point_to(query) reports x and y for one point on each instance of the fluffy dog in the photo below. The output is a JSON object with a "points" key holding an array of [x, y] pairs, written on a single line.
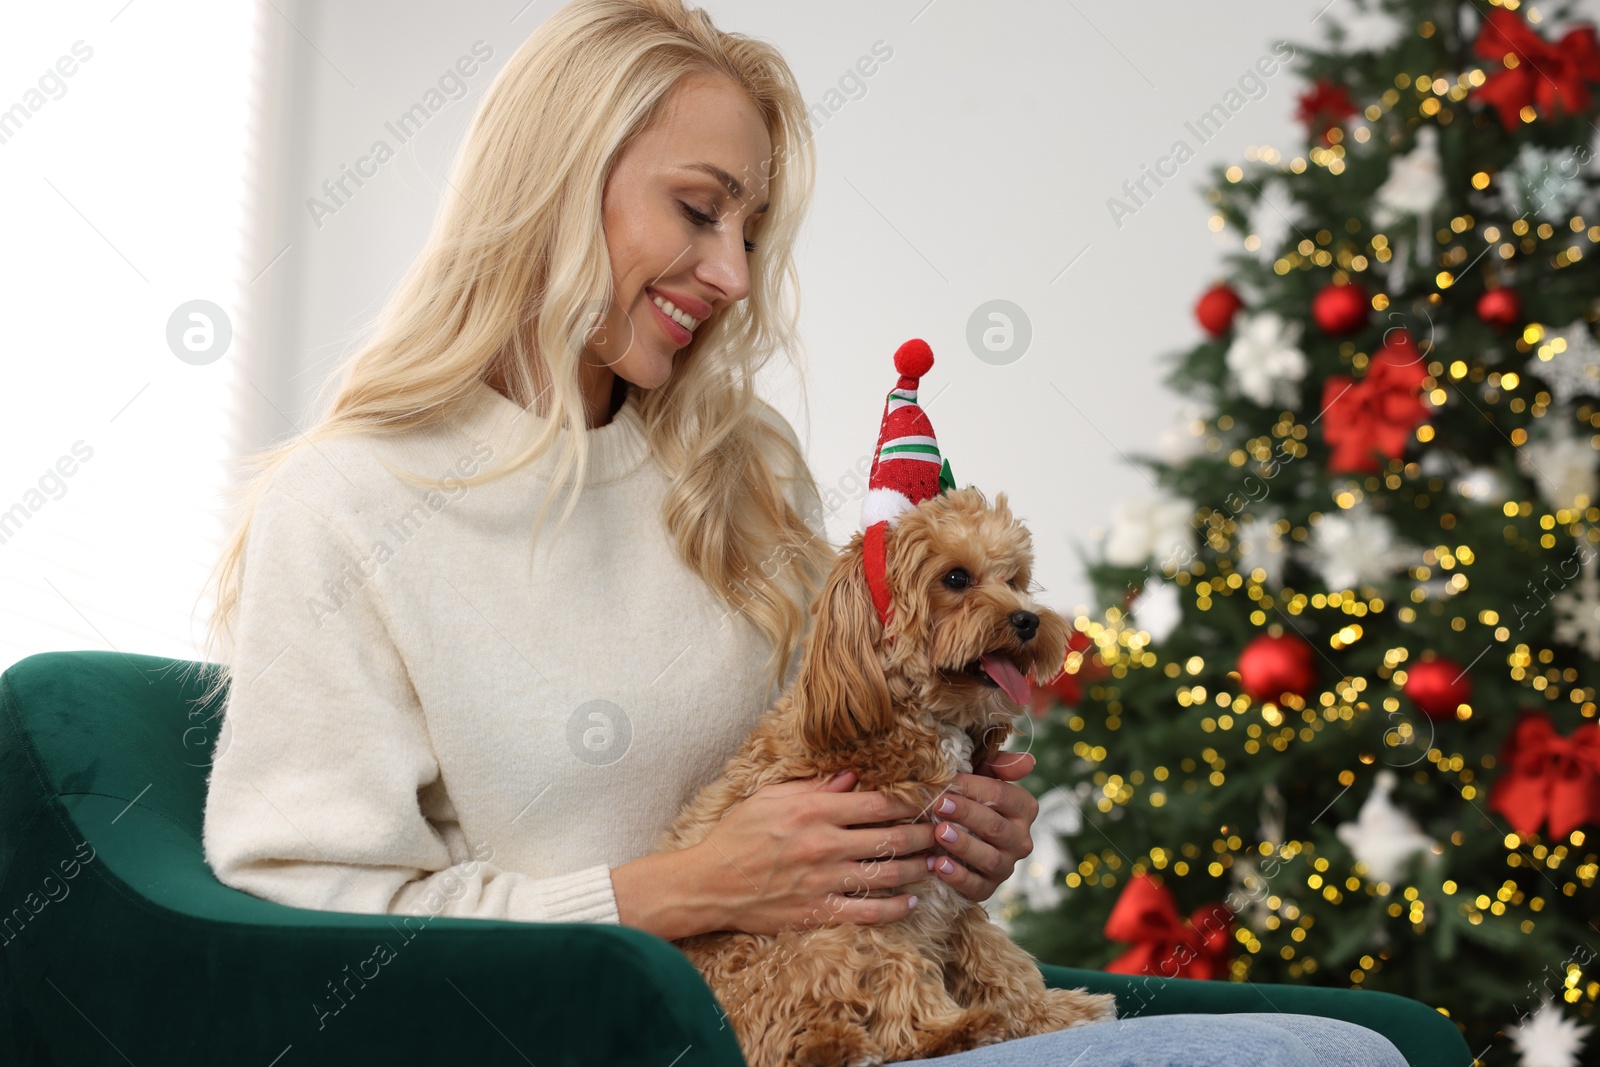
{"points": [[907, 709]]}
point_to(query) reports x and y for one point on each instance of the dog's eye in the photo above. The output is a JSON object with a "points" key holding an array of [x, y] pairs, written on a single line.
{"points": [[957, 579], [1012, 582]]}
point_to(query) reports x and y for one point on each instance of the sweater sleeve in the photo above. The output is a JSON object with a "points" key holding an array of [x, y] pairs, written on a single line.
{"points": [[316, 791]]}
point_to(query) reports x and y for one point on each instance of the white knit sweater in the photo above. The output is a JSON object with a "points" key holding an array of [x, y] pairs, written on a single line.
{"points": [[426, 718]]}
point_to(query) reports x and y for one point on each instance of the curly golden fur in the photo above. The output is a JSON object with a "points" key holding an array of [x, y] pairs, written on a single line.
{"points": [[903, 713]]}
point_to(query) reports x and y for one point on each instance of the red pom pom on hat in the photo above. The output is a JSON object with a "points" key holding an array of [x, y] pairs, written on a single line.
{"points": [[906, 464], [914, 358]]}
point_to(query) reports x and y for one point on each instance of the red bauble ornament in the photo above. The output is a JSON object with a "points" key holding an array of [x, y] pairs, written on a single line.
{"points": [[1216, 308], [1340, 309], [1272, 666], [1500, 308], [1437, 685]]}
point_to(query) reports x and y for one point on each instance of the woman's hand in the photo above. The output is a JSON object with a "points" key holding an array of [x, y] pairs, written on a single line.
{"points": [[787, 855], [999, 816]]}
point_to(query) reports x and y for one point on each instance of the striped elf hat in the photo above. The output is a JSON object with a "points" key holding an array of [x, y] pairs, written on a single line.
{"points": [[906, 470]]}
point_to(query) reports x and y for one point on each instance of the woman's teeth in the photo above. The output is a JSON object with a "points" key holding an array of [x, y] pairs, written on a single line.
{"points": [[682, 318]]}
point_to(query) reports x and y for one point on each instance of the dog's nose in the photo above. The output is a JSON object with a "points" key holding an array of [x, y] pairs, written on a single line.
{"points": [[1026, 624]]}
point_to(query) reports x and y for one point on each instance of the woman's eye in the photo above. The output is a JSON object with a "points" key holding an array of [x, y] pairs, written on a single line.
{"points": [[700, 218], [957, 579]]}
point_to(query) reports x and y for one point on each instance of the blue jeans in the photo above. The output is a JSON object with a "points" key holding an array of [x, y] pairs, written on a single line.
{"points": [[1274, 1039]]}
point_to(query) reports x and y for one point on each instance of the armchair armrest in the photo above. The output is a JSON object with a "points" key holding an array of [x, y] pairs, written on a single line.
{"points": [[145, 955]]}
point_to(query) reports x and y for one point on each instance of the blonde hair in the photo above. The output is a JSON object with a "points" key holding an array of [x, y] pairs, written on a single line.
{"points": [[516, 266]]}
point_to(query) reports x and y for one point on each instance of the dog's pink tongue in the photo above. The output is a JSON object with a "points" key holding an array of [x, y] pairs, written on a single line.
{"points": [[1006, 675]]}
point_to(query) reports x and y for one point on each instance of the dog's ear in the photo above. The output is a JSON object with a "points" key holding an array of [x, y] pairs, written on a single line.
{"points": [[842, 693]]}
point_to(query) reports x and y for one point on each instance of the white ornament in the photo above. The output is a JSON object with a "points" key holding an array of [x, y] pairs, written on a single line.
{"points": [[1259, 546], [1437, 463], [1037, 882], [1414, 188], [1546, 1038], [1272, 812], [1383, 837], [1353, 548], [1249, 891], [1253, 889], [1369, 30], [1484, 485], [1398, 263], [1415, 183], [1264, 360], [1150, 527], [1185, 438], [1269, 218], [1562, 465], [1156, 610], [1578, 612], [1569, 362], [1543, 182]]}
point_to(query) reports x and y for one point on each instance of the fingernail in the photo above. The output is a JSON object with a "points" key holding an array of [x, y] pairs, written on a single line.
{"points": [[911, 902], [947, 832], [947, 806], [946, 865], [930, 862]]}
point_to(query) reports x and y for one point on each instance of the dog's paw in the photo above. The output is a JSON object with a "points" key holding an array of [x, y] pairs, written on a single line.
{"points": [[1096, 1008], [1062, 1009], [832, 1043]]}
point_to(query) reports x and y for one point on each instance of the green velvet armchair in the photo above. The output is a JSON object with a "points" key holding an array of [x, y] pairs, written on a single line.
{"points": [[118, 945]]}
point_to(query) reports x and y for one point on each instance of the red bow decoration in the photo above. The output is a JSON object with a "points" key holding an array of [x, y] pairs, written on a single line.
{"points": [[1324, 106], [1164, 944], [1548, 776], [1378, 412], [1554, 77]]}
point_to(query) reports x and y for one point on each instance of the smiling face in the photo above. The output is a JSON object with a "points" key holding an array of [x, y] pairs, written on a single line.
{"points": [[677, 229]]}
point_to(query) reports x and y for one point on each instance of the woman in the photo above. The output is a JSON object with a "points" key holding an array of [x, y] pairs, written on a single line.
{"points": [[437, 709]]}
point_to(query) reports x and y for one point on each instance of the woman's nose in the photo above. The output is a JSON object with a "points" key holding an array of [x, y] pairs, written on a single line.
{"points": [[727, 268]]}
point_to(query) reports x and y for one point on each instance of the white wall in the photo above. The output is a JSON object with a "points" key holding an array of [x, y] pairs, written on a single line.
{"points": [[126, 152], [976, 165]]}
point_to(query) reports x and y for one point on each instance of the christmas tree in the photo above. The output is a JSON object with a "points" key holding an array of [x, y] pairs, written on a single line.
{"points": [[1336, 720]]}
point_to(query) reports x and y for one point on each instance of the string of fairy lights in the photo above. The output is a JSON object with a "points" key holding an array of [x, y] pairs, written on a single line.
{"points": [[1120, 647]]}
